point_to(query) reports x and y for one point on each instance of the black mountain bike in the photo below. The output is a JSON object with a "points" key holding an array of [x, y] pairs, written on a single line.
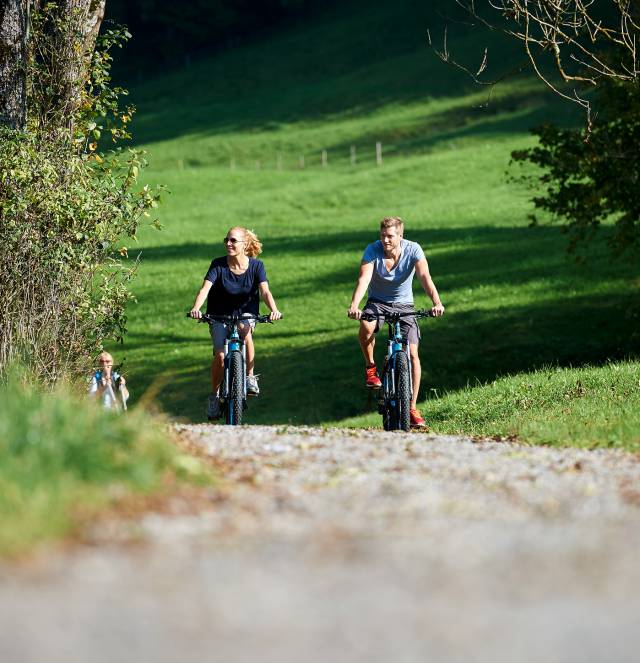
{"points": [[233, 390], [394, 399]]}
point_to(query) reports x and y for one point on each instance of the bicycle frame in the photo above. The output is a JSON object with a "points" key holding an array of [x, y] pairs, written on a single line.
{"points": [[397, 382], [395, 344], [233, 345]]}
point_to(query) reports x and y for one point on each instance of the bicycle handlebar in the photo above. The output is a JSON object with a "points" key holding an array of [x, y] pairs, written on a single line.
{"points": [[232, 318], [392, 317]]}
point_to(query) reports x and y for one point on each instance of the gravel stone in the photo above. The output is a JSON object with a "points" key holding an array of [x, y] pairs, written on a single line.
{"points": [[348, 545]]}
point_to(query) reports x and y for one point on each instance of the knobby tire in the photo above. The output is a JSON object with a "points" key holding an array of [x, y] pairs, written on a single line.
{"points": [[236, 383], [403, 392], [386, 410]]}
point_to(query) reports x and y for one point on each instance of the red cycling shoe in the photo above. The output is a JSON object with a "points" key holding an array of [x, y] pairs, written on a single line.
{"points": [[372, 379], [416, 419]]}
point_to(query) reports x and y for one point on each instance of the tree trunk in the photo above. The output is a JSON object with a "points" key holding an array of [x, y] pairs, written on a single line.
{"points": [[13, 56], [69, 42], [85, 20]]}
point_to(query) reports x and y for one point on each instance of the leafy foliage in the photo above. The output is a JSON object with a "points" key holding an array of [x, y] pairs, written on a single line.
{"points": [[65, 204], [590, 179], [586, 53]]}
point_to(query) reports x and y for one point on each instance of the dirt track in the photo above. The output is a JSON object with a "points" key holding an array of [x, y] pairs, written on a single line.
{"points": [[353, 546]]}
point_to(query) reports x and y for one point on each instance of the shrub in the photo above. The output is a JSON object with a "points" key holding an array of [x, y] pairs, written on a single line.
{"points": [[65, 204], [63, 459]]}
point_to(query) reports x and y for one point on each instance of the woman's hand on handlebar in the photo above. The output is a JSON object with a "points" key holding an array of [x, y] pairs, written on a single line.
{"points": [[195, 313]]}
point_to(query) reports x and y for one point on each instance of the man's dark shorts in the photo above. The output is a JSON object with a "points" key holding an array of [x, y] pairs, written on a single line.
{"points": [[408, 326]]}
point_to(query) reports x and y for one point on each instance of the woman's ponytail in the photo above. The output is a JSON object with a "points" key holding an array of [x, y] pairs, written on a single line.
{"points": [[252, 245]]}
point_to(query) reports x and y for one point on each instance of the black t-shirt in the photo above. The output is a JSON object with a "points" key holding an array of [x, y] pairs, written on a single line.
{"points": [[232, 294]]}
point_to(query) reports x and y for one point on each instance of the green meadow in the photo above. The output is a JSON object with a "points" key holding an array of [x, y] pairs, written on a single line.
{"points": [[227, 135]]}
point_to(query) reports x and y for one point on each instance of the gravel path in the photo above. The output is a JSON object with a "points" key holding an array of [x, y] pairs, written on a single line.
{"points": [[353, 546]]}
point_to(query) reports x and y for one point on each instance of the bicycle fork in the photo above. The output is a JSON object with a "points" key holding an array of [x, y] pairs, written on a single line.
{"points": [[388, 393]]}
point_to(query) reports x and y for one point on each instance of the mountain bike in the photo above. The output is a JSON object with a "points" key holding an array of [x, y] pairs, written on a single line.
{"points": [[233, 389], [394, 400]]}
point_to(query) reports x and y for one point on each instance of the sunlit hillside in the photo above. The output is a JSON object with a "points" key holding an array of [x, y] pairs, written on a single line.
{"points": [[280, 136]]}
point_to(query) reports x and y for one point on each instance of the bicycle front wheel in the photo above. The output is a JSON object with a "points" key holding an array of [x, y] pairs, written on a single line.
{"points": [[403, 391], [235, 397]]}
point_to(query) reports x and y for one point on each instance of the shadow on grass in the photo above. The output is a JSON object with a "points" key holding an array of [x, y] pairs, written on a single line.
{"points": [[323, 382], [339, 67], [513, 114], [573, 316], [459, 258]]}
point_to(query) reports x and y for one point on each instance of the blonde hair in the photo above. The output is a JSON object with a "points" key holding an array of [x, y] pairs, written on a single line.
{"points": [[252, 245], [392, 222], [105, 356]]}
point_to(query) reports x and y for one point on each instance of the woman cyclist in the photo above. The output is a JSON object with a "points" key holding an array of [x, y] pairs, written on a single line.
{"points": [[232, 286]]}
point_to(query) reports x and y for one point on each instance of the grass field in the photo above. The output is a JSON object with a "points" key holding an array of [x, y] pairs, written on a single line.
{"points": [[515, 302]]}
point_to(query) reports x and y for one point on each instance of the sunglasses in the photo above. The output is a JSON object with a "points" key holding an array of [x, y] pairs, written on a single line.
{"points": [[233, 240]]}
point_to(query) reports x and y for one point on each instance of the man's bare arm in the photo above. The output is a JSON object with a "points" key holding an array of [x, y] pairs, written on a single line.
{"points": [[422, 270], [364, 278]]}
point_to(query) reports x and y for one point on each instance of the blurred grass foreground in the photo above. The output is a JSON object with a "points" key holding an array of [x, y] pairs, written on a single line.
{"points": [[63, 459]]}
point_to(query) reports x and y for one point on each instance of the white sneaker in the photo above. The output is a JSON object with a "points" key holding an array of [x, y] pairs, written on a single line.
{"points": [[213, 407], [252, 385]]}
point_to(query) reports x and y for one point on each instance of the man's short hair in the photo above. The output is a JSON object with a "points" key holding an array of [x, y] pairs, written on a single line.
{"points": [[392, 222]]}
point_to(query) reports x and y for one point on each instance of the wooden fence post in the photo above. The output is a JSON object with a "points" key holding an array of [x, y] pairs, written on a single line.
{"points": [[353, 155], [379, 153]]}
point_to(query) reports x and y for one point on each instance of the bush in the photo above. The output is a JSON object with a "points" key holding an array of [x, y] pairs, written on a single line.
{"points": [[63, 290], [64, 206], [592, 177]]}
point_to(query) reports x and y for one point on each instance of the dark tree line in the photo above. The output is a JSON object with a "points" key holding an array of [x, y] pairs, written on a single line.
{"points": [[167, 31]]}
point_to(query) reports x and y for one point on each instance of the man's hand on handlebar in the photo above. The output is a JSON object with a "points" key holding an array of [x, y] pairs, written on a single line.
{"points": [[275, 315], [354, 312], [195, 313], [437, 310]]}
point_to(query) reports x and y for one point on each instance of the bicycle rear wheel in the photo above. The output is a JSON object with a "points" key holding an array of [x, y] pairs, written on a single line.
{"points": [[234, 404], [403, 392]]}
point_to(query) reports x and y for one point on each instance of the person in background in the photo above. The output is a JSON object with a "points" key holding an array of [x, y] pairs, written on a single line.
{"points": [[108, 385]]}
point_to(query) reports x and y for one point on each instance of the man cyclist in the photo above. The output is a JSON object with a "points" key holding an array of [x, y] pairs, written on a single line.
{"points": [[387, 271]]}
